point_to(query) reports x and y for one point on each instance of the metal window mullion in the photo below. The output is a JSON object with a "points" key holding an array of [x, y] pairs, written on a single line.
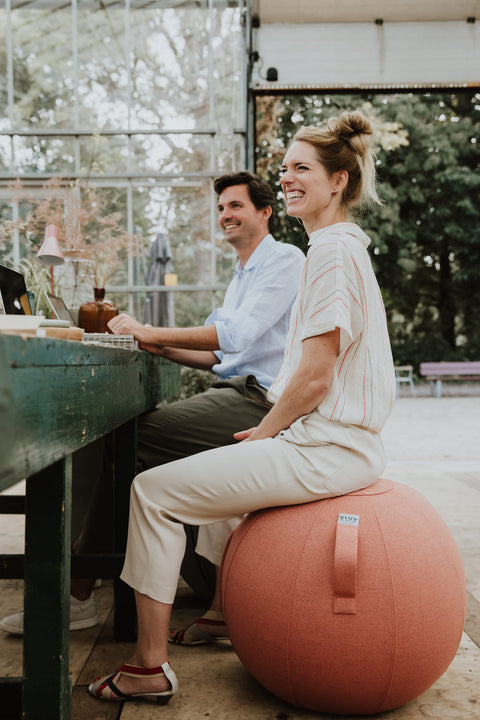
{"points": [[9, 31], [58, 132], [10, 88], [76, 106], [244, 64], [16, 234], [130, 260], [11, 118], [249, 100], [212, 122], [129, 72]]}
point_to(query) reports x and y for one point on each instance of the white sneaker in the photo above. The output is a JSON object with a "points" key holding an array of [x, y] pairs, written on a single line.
{"points": [[83, 614]]}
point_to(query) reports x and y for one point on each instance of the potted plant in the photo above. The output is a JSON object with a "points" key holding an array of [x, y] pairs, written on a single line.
{"points": [[90, 232]]}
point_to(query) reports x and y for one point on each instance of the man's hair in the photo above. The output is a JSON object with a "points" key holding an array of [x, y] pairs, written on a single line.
{"points": [[259, 191]]}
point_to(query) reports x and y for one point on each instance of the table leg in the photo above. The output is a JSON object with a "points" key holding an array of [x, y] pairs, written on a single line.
{"points": [[47, 685], [125, 449]]}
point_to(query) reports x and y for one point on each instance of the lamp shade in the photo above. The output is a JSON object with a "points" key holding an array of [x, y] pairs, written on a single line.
{"points": [[50, 252]]}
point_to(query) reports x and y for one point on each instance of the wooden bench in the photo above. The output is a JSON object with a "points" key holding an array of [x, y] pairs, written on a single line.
{"points": [[55, 397], [438, 371]]}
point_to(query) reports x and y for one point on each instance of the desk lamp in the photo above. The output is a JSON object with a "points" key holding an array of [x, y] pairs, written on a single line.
{"points": [[50, 252]]}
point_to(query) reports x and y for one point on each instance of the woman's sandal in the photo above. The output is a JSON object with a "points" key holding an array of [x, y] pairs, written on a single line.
{"points": [[197, 633], [106, 689]]}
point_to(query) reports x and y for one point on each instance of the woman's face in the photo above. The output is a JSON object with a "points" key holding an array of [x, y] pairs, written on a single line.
{"points": [[310, 192]]}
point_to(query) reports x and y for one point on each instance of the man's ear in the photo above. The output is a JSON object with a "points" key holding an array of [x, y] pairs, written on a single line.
{"points": [[267, 212]]}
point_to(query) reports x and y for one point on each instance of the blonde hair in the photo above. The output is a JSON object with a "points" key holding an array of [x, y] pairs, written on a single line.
{"points": [[344, 144]]}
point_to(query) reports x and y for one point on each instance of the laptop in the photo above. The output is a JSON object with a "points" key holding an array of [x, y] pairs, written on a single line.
{"points": [[59, 308], [16, 302], [13, 292]]}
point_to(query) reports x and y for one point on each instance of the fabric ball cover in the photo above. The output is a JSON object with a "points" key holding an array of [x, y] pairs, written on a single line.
{"points": [[350, 605]]}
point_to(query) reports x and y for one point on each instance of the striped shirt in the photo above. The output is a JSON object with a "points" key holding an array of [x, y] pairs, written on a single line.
{"points": [[339, 289]]}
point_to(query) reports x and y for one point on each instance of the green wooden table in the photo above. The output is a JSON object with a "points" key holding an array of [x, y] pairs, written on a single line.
{"points": [[55, 397]]}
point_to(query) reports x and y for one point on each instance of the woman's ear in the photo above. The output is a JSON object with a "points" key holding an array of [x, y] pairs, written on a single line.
{"points": [[341, 179]]}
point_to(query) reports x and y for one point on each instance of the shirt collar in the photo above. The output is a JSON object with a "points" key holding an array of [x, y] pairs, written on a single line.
{"points": [[343, 227], [261, 251]]}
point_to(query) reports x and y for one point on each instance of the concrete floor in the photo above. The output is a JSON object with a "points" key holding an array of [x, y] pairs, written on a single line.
{"points": [[431, 444]]}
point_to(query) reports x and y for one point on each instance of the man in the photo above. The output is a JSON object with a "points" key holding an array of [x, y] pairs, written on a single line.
{"points": [[242, 343]]}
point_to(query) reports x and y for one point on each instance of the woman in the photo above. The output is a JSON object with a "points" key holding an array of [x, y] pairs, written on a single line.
{"points": [[331, 399]]}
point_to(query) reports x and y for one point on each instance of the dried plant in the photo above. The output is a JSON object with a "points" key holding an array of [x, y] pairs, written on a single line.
{"points": [[85, 221]]}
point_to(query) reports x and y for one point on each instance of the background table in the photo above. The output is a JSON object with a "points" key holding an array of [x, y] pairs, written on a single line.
{"points": [[55, 397]]}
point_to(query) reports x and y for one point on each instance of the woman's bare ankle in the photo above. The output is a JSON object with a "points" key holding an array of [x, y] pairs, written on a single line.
{"points": [[147, 660]]}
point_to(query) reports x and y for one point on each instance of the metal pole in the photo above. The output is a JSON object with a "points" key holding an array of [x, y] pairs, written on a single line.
{"points": [[11, 119], [249, 124], [212, 123], [130, 260], [76, 109]]}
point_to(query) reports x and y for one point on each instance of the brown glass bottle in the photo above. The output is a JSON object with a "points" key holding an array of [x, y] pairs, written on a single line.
{"points": [[94, 315]]}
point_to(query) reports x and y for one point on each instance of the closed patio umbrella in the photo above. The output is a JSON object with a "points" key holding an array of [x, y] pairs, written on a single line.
{"points": [[159, 306]]}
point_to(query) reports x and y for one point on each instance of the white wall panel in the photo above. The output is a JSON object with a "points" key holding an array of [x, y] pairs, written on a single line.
{"points": [[365, 53]]}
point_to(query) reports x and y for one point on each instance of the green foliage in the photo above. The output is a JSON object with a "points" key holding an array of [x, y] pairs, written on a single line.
{"points": [[194, 381], [426, 238], [38, 281]]}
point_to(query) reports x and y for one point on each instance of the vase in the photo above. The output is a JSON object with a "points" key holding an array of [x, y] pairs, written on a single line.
{"points": [[94, 315], [75, 278]]}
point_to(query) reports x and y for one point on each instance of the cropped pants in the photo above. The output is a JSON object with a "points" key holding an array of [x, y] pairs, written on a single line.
{"points": [[166, 434], [228, 482]]}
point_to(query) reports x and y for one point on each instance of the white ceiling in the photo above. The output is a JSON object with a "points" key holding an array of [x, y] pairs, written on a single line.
{"points": [[335, 11]]}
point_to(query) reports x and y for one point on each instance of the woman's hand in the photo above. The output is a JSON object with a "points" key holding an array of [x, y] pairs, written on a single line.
{"points": [[243, 435], [305, 390]]}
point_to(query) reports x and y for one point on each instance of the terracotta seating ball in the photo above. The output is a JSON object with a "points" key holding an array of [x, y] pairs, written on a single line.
{"points": [[349, 605]]}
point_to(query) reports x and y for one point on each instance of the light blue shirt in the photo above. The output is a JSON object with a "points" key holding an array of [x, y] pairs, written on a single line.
{"points": [[252, 325]]}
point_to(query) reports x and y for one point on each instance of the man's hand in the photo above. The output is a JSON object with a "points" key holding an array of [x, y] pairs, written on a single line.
{"points": [[154, 349], [125, 325], [203, 338]]}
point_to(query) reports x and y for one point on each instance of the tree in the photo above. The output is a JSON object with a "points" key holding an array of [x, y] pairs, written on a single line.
{"points": [[426, 237]]}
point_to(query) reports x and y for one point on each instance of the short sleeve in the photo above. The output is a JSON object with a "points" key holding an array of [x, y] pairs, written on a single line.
{"points": [[332, 294]]}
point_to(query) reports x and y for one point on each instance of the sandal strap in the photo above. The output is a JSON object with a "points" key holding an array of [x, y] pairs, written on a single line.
{"points": [[195, 632], [164, 669], [198, 630], [170, 675], [206, 621], [109, 681], [135, 671], [214, 615]]}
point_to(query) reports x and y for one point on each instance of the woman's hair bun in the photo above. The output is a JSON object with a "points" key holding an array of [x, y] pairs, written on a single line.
{"points": [[345, 144], [350, 124]]}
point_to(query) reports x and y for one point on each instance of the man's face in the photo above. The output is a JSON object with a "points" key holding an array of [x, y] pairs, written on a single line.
{"points": [[239, 218]]}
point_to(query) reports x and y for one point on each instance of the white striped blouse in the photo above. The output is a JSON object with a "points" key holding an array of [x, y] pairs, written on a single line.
{"points": [[339, 289]]}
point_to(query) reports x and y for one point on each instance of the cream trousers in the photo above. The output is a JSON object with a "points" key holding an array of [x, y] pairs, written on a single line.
{"points": [[227, 482]]}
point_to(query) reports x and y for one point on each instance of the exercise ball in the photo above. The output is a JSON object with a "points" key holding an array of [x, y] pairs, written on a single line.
{"points": [[350, 605]]}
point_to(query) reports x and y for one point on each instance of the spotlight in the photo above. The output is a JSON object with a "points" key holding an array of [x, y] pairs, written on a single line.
{"points": [[272, 74]]}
